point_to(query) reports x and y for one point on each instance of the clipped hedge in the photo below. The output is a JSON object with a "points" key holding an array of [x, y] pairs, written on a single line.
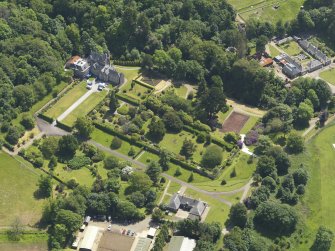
{"points": [[143, 84], [128, 99], [127, 62], [64, 126], [45, 117], [78, 162]]}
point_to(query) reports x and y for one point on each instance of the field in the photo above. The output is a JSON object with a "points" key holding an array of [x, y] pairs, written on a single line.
{"points": [[235, 122], [292, 48], [329, 76], [66, 101], [318, 204], [265, 10], [84, 108], [17, 186]]}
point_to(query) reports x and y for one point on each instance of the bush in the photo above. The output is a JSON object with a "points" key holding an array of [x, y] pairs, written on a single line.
{"points": [[231, 137], [123, 110], [28, 122], [78, 162], [72, 183], [212, 157], [201, 138], [116, 143]]}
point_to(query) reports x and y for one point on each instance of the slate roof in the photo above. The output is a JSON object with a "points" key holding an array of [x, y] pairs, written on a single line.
{"points": [[195, 207]]}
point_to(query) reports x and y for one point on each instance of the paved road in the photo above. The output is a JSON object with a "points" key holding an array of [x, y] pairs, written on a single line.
{"points": [[78, 102]]}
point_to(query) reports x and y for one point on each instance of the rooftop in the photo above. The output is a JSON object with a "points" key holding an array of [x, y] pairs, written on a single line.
{"points": [[194, 206], [181, 243]]}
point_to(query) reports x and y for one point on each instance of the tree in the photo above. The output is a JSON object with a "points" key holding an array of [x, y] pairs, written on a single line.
{"points": [[140, 182], [275, 219], [68, 145], [238, 215], [270, 183], [190, 178], [261, 43], [71, 220], [188, 148], [84, 127], [263, 144], [16, 230], [234, 240], [164, 160], [113, 102], [266, 166], [128, 211], [53, 162], [111, 162], [258, 196], [295, 143], [112, 185], [177, 172], [311, 95], [323, 240], [45, 186], [156, 129], [212, 157], [49, 147], [138, 198], [172, 121], [282, 160], [300, 176], [303, 115], [28, 122], [13, 135], [153, 171], [116, 143], [24, 97], [157, 215]]}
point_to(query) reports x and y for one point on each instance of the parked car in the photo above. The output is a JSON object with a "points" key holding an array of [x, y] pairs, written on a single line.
{"points": [[101, 86], [82, 228], [89, 85], [109, 228], [123, 231], [128, 232]]}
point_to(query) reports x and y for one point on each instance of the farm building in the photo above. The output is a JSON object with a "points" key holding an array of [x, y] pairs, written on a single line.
{"points": [[111, 241], [103, 70], [284, 40], [266, 62], [181, 243], [314, 51], [195, 207], [151, 233], [79, 66], [90, 236], [314, 65], [143, 244]]}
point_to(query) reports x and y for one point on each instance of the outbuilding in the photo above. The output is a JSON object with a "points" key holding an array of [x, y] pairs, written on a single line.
{"points": [[89, 238], [151, 233]]}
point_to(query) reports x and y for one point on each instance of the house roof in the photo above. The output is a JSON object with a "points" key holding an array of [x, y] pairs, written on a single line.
{"points": [[143, 244], [181, 243], [73, 59], [197, 207]]}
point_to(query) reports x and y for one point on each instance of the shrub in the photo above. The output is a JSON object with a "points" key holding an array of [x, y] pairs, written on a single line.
{"points": [[116, 143], [178, 172], [123, 110], [78, 162], [251, 138], [28, 122], [212, 156], [72, 183], [201, 138]]}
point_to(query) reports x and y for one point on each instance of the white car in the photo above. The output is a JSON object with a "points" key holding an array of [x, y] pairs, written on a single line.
{"points": [[101, 86], [89, 85], [109, 228]]}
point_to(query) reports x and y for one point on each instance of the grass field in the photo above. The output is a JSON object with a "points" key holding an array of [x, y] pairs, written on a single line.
{"points": [[66, 101], [292, 48], [84, 108], [249, 125], [264, 10], [328, 76], [106, 140], [274, 52], [137, 92], [129, 72], [17, 186], [181, 91], [318, 204]]}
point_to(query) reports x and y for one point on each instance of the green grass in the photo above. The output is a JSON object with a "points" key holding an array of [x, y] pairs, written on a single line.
{"points": [[292, 48], [137, 92], [181, 91], [66, 101], [329, 76], [129, 73], [173, 188], [106, 140], [263, 10], [147, 157], [17, 185], [318, 203], [243, 170], [84, 108], [274, 51], [185, 174], [249, 125]]}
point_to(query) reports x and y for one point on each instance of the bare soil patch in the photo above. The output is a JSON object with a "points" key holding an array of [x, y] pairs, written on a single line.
{"points": [[235, 122]]}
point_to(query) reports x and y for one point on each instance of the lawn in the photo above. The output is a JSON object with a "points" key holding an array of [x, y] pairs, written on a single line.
{"points": [[129, 73], [174, 142], [274, 52], [147, 157], [18, 184], [318, 204], [173, 188], [66, 101], [249, 125], [329, 76], [138, 92], [185, 174], [243, 171], [292, 48], [181, 91], [106, 140], [84, 108], [264, 10]]}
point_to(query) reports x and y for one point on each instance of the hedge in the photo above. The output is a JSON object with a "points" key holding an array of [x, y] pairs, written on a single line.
{"points": [[128, 99], [63, 126], [45, 117], [144, 84], [8, 146], [127, 62], [150, 148]]}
